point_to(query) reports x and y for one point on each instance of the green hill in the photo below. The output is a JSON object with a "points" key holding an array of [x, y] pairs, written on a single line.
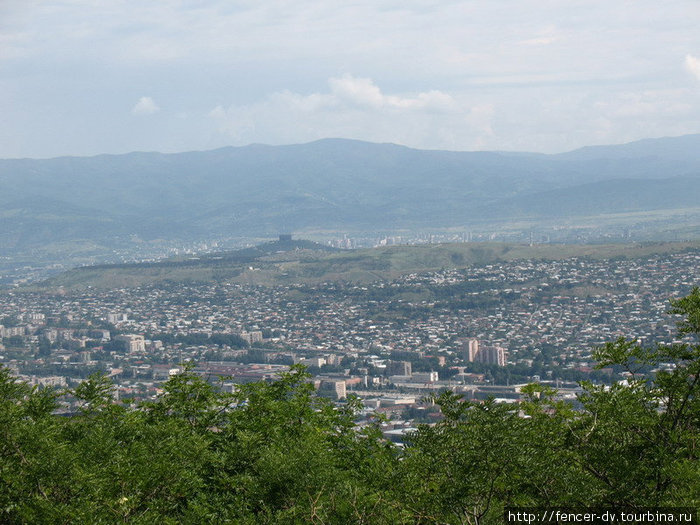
{"points": [[306, 262]]}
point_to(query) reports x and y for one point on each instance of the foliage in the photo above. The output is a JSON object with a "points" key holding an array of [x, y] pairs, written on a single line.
{"points": [[639, 439], [274, 452]]}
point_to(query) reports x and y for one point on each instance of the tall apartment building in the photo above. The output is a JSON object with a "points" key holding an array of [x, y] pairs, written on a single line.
{"points": [[471, 350], [252, 337], [493, 355], [134, 343], [489, 355]]}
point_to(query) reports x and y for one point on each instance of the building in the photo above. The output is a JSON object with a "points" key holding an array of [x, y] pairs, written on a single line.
{"points": [[471, 350], [333, 388], [424, 377], [50, 334], [49, 381], [12, 331], [489, 355], [398, 368], [102, 335], [164, 371], [313, 361], [493, 355], [116, 318], [252, 337], [134, 343]]}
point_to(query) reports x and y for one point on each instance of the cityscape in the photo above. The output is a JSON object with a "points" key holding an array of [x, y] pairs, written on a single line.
{"points": [[481, 331], [349, 263]]}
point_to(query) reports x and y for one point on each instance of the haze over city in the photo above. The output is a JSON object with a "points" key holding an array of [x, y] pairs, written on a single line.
{"points": [[84, 78]]}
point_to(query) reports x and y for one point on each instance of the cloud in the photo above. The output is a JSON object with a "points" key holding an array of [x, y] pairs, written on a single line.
{"points": [[364, 92], [506, 75], [355, 107], [145, 106], [692, 64], [360, 91], [539, 41], [667, 104], [545, 37]]}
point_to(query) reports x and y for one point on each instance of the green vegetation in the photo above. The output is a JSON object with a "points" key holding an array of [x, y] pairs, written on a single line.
{"points": [[276, 453], [256, 266]]}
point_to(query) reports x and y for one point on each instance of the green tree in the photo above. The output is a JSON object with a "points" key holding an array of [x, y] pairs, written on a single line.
{"points": [[483, 456], [274, 452], [638, 439]]}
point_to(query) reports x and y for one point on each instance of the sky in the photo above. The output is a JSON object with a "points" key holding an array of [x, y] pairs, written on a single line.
{"points": [[85, 77]]}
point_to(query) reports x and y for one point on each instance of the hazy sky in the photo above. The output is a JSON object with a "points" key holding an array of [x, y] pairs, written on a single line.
{"points": [[82, 77]]}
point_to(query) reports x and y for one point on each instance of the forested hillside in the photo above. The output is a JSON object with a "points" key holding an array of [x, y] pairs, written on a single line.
{"points": [[276, 453]]}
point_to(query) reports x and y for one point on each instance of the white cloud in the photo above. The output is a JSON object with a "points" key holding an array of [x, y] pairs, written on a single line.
{"points": [[511, 75], [360, 91], [145, 106], [544, 37], [355, 108], [692, 64], [364, 92], [540, 118], [539, 41]]}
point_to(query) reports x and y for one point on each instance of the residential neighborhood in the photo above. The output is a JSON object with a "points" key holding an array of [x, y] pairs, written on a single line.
{"points": [[482, 331]]}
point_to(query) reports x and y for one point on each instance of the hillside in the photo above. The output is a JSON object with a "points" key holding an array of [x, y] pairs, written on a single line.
{"points": [[269, 266], [328, 185]]}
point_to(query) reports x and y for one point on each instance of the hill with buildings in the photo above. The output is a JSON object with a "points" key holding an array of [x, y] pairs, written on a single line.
{"points": [[269, 264], [101, 202]]}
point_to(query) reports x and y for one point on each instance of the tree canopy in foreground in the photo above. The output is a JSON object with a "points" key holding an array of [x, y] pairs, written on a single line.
{"points": [[276, 453]]}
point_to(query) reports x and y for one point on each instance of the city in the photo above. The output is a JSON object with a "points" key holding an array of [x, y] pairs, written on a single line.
{"points": [[388, 342]]}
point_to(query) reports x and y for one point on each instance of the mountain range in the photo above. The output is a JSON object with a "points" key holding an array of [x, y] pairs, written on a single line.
{"points": [[332, 185]]}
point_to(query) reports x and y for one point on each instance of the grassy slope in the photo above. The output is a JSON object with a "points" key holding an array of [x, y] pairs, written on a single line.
{"points": [[355, 266]]}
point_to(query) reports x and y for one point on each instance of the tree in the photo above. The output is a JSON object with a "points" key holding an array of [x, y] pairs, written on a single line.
{"points": [[484, 456], [638, 439], [631, 444], [274, 452]]}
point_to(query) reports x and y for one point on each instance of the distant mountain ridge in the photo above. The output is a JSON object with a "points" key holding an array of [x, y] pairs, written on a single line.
{"points": [[331, 184], [683, 148]]}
